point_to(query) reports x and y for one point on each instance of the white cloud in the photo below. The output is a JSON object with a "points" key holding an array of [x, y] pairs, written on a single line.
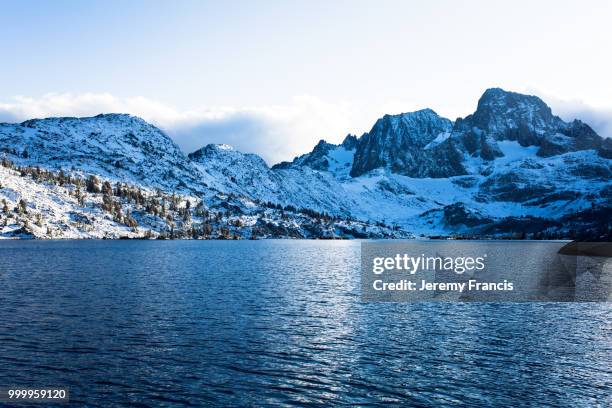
{"points": [[274, 132]]}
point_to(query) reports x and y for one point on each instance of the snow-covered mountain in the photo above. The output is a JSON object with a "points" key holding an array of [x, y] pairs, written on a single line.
{"points": [[398, 143], [115, 175], [226, 169], [116, 146], [511, 167], [328, 157], [511, 158]]}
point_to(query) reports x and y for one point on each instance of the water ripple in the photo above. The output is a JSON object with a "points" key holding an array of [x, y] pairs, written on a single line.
{"points": [[276, 323]]}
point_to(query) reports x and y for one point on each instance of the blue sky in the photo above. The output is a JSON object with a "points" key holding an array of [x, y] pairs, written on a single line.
{"points": [[274, 77]]}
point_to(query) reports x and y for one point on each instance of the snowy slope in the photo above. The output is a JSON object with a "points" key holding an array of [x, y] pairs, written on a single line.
{"points": [[36, 203], [228, 170], [117, 146], [51, 212], [518, 184]]}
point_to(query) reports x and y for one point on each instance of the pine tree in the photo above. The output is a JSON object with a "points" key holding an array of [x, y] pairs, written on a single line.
{"points": [[107, 189], [23, 207], [93, 184]]}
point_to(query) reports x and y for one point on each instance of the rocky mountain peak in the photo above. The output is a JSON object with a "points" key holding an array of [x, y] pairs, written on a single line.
{"points": [[323, 146], [418, 125], [396, 141], [526, 119], [503, 114], [495, 98], [350, 142]]}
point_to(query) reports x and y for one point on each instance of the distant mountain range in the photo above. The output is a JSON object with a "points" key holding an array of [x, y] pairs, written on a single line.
{"points": [[511, 169]]}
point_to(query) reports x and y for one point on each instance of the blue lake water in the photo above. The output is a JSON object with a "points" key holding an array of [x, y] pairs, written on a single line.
{"points": [[243, 323]]}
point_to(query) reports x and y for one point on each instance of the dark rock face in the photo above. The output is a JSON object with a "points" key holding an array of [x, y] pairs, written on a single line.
{"points": [[350, 142], [605, 149], [458, 214], [479, 144], [514, 187], [398, 142], [444, 160], [573, 137], [553, 145], [583, 137], [523, 134]]}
